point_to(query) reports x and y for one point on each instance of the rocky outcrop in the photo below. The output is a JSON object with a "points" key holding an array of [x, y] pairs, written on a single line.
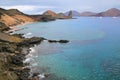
{"points": [[8, 38], [61, 16], [50, 13], [13, 49], [3, 27], [43, 18], [58, 41], [31, 41], [54, 15]]}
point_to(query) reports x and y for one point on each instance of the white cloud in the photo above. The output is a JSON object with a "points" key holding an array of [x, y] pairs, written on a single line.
{"points": [[25, 8]]}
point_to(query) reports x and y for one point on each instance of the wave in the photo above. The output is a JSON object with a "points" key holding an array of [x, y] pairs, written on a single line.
{"points": [[27, 60], [26, 67], [29, 55], [32, 50], [41, 76], [34, 64], [27, 34]]}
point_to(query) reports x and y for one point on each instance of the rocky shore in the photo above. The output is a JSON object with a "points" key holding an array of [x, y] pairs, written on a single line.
{"points": [[13, 49]]}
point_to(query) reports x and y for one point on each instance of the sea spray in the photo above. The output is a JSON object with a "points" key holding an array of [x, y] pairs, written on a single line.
{"points": [[41, 76], [28, 35], [27, 60], [30, 60]]}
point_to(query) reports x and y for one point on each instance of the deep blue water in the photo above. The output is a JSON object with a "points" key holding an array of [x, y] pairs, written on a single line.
{"points": [[93, 52]]}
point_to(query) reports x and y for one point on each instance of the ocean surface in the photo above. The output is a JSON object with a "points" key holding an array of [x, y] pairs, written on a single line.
{"points": [[93, 52]]}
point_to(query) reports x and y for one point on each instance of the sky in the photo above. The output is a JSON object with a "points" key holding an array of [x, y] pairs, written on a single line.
{"points": [[39, 6]]}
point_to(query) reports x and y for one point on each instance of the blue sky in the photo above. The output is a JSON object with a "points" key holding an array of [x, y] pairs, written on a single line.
{"points": [[39, 6]]}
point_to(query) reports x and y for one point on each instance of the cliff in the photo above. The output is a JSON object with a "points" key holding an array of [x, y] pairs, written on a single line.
{"points": [[14, 17]]}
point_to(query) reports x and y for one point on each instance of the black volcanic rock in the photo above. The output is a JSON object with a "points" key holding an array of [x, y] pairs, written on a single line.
{"points": [[58, 41]]}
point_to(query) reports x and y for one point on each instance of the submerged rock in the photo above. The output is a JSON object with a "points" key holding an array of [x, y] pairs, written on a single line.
{"points": [[59, 41]]}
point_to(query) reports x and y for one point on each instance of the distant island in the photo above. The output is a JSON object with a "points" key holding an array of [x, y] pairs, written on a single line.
{"points": [[113, 12], [13, 17]]}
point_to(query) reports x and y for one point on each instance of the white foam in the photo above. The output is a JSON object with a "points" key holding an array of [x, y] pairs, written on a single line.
{"points": [[28, 34], [32, 50], [114, 17], [34, 64], [41, 76], [27, 60], [25, 67], [29, 55]]}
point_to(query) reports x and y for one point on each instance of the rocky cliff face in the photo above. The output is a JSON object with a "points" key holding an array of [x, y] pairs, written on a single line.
{"points": [[13, 17]]}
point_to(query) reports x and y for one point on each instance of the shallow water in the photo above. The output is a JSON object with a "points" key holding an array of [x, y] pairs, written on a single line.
{"points": [[93, 52]]}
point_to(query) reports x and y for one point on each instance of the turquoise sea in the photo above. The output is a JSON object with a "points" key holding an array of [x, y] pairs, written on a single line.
{"points": [[93, 52]]}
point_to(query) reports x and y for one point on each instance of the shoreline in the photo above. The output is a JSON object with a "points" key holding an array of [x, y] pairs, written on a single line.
{"points": [[22, 24], [13, 28], [16, 54]]}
